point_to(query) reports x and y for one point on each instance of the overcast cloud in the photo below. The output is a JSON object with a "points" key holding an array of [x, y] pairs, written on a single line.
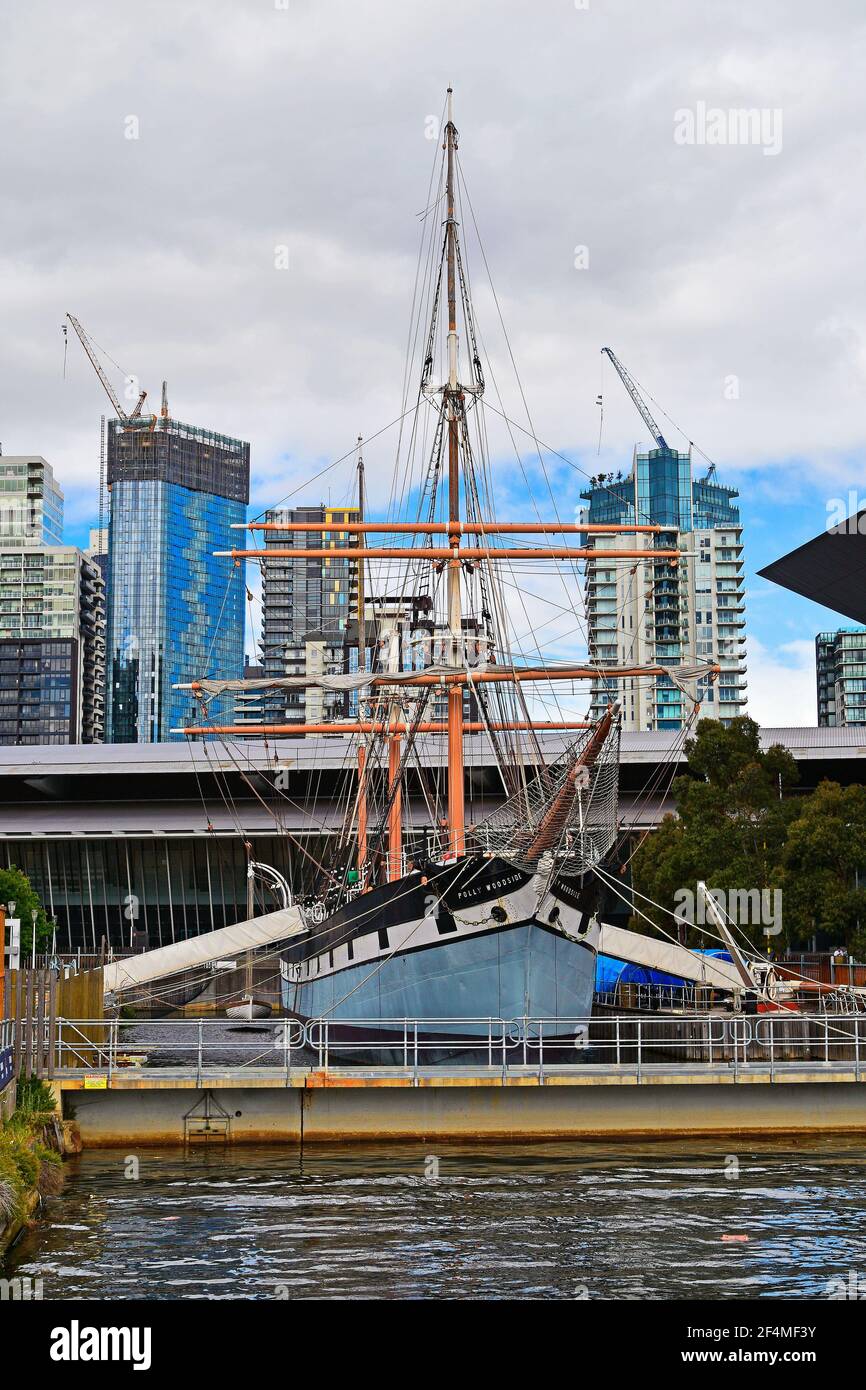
{"points": [[304, 126]]}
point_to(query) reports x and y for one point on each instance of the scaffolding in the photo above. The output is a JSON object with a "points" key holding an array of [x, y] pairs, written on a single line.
{"points": [[166, 450]]}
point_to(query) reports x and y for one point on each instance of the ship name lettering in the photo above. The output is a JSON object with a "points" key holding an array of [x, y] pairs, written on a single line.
{"points": [[466, 894]]}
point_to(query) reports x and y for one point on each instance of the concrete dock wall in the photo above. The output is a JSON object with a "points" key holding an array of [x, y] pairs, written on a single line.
{"points": [[325, 1113]]}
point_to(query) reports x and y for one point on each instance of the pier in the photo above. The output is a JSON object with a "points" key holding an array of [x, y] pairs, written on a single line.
{"points": [[156, 1082]]}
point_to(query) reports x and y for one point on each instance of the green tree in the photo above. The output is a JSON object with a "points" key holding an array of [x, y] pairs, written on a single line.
{"points": [[731, 822], [15, 887], [824, 867]]}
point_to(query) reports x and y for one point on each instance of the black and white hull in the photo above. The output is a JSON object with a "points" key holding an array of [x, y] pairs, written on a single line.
{"points": [[460, 945]]}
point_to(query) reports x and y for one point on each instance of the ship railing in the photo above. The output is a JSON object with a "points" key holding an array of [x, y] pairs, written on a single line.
{"points": [[779, 1042]]}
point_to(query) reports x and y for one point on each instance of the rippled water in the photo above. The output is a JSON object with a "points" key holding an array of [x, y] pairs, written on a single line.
{"points": [[543, 1221]]}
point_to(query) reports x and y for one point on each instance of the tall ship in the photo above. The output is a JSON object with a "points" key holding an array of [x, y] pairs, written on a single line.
{"points": [[465, 918]]}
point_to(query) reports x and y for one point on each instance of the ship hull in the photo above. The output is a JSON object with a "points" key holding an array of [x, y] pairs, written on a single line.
{"points": [[479, 942]]}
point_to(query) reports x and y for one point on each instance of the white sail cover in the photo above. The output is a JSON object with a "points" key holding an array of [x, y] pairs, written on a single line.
{"points": [[221, 944]]}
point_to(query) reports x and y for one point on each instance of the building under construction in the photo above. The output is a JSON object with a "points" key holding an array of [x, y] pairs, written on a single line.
{"points": [[175, 609], [159, 449]]}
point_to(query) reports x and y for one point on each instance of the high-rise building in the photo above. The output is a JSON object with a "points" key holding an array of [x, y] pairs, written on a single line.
{"points": [[97, 549], [175, 609], [249, 704], [306, 605], [52, 646], [840, 663], [31, 502], [658, 613], [310, 625]]}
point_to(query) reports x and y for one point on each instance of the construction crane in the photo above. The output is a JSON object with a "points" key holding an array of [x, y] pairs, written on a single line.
{"points": [[638, 399], [126, 417]]}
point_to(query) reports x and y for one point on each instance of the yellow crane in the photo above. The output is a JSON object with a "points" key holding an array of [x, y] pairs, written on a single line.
{"points": [[126, 416]]}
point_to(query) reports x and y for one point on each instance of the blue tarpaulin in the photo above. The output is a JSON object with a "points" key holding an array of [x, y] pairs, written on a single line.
{"points": [[609, 972]]}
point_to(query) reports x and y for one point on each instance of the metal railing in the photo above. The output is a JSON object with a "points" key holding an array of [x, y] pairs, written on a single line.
{"points": [[650, 997], [201, 1048], [823, 967], [74, 961], [694, 998]]}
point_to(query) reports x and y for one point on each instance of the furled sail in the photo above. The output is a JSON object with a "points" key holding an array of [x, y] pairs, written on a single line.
{"points": [[356, 680]]}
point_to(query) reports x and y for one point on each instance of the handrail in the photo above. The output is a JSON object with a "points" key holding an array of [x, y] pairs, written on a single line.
{"points": [[634, 1044]]}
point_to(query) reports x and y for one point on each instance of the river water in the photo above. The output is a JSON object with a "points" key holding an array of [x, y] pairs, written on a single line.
{"points": [[665, 1220]]}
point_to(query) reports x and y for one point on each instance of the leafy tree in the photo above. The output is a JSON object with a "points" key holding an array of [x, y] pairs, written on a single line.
{"points": [[824, 867], [731, 822], [15, 887]]}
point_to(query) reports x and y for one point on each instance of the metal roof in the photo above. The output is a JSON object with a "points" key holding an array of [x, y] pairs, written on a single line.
{"points": [[58, 803], [109, 819], [316, 751], [101, 819], [335, 751], [850, 740]]}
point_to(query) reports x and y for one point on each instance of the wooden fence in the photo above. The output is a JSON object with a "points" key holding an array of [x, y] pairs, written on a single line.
{"points": [[38, 998]]}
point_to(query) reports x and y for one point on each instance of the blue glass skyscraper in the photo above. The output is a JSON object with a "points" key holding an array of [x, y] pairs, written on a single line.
{"points": [[175, 609]]}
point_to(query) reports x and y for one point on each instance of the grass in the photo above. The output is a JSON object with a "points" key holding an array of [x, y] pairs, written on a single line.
{"points": [[27, 1165], [34, 1099]]}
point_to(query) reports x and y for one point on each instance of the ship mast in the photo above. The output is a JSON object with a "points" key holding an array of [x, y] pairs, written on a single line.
{"points": [[453, 400], [385, 688], [362, 665]]}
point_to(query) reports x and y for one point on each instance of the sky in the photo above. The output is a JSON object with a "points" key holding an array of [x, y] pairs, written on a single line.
{"points": [[227, 195]]}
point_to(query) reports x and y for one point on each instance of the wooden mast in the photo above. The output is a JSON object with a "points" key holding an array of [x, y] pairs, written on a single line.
{"points": [[362, 665], [452, 676], [472, 554], [468, 528], [362, 810], [395, 815], [453, 408], [362, 542]]}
